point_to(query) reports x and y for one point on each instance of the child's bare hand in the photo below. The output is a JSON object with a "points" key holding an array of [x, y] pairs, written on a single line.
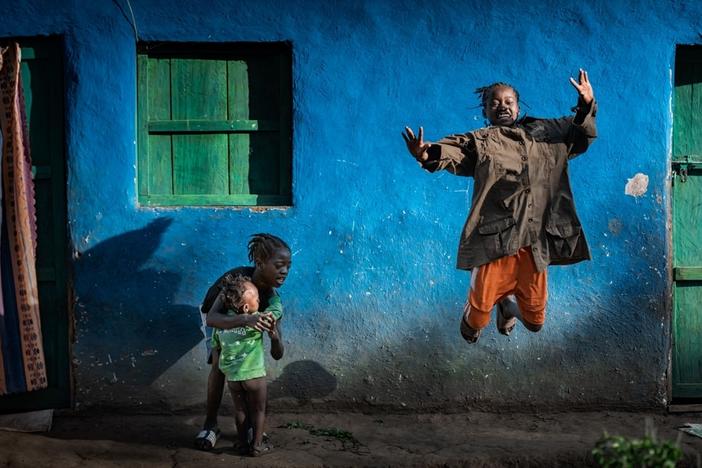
{"points": [[261, 322], [583, 87], [416, 145], [273, 332]]}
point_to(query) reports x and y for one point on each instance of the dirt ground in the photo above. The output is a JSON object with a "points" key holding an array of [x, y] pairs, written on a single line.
{"points": [[340, 440]]}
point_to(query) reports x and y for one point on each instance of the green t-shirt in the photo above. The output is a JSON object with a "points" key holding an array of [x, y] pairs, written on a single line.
{"points": [[241, 354]]}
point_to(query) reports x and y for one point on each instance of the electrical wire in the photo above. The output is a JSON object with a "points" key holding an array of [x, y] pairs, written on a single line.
{"points": [[134, 25]]}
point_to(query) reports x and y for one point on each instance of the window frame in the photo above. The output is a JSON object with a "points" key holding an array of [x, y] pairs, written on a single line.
{"points": [[282, 51]]}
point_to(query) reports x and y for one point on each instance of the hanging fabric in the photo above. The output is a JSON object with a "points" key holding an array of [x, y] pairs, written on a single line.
{"points": [[22, 367]]}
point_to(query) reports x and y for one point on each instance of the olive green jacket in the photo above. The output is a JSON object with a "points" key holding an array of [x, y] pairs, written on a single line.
{"points": [[521, 193]]}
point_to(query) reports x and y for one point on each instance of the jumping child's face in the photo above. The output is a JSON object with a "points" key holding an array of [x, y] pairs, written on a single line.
{"points": [[274, 271], [250, 299], [503, 106]]}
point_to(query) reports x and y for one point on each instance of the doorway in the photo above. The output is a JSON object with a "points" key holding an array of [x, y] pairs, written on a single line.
{"points": [[42, 81], [687, 224]]}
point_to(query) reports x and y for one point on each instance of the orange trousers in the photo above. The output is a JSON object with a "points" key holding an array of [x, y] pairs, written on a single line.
{"points": [[515, 274]]}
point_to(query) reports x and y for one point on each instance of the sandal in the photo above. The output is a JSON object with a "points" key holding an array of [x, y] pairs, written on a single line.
{"points": [[469, 334], [250, 436], [505, 324], [207, 439], [260, 450]]}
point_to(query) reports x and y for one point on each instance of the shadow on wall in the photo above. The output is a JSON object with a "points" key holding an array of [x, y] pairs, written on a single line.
{"points": [[129, 331], [303, 380]]}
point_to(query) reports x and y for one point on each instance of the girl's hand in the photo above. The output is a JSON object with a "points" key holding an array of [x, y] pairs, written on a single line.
{"points": [[261, 322], [273, 332], [416, 144], [584, 88]]}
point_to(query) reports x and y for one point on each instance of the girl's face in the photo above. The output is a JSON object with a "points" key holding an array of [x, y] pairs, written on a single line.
{"points": [[503, 106], [274, 270]]}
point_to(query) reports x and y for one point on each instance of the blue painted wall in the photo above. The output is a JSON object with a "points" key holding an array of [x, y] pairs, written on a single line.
{"points": [[373, 299]]}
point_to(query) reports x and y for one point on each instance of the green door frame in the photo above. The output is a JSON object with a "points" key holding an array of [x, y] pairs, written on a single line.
{"points": [[686, 191]]}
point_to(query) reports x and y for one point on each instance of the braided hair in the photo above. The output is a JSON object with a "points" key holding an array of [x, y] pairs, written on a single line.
{"points": [[485, 92], [262, 246], [234, 289]]}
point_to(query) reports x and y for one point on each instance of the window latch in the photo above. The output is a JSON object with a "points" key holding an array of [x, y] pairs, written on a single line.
{"points": [[685, 164]]}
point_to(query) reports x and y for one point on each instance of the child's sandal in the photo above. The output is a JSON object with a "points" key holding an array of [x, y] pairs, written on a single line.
{"points": [[469, 334], [504, 325], [260, 450], [207, 439]]}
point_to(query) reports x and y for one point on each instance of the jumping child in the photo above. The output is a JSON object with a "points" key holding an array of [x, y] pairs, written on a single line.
{"points": [[522, 215], [272, 260], [241, 361]]}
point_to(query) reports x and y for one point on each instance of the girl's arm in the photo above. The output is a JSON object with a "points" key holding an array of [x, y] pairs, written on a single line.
{"points": [[277, 348], [217, 319], [583, 130], [275, 307], [455, 153]]}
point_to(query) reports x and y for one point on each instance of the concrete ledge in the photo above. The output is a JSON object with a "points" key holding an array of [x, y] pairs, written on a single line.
{"points": [[33, 421]]}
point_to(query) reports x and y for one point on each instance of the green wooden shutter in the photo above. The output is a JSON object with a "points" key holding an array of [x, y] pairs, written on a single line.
{"points": [[214, 125]]}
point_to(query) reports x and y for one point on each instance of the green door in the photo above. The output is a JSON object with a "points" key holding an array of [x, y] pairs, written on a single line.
{"points": [[687, 224], [42, 81]]}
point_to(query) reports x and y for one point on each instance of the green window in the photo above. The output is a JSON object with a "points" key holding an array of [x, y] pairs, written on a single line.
{"points": [[214, 124]]}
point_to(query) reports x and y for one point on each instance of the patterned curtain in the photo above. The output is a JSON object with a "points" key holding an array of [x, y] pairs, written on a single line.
{"points": [[22, 367]]}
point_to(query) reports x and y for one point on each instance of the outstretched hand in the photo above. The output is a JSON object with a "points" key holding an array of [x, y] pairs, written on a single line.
{"points": [[584, 88], [416, 145]]}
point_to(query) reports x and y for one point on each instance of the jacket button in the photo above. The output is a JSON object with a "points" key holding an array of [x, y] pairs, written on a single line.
{"points": [[528, 190], [531, 220], [524, 158]]}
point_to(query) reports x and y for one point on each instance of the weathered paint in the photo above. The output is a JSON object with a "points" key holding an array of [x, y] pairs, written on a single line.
{"points": [[637, 185], [373, 300]]}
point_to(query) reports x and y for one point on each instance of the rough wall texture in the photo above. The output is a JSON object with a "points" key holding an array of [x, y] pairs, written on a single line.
{"points": [[373, 299]]}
